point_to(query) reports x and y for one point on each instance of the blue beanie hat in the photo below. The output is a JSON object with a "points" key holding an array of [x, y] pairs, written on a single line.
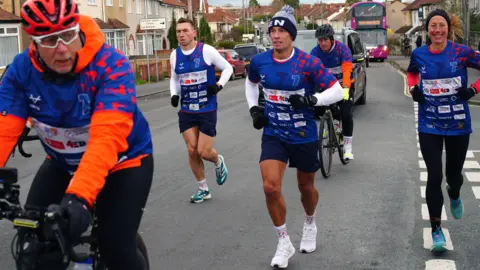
{"points": [[285, 18]]}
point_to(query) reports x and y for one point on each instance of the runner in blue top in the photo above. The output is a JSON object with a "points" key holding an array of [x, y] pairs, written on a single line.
{"points": [[193, 79], [443, 114], [289, 77]]}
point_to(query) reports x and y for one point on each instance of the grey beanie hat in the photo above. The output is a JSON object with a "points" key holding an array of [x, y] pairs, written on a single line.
{"points": [[285, 18]]}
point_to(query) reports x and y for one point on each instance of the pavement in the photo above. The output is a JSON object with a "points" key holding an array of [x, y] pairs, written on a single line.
{"points": [[370, 213], [154, 88], [401, 63]]}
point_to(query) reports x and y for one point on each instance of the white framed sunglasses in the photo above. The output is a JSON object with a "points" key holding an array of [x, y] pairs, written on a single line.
{"points": [[51, 41]]}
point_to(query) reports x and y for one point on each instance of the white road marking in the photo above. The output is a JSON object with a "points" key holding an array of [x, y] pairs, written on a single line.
{"points": [[440, 265], [426, 216], [469, 153], [423, 176], [476, 192], [428, 242], [473, 176], [469, 164], [422, 191]]}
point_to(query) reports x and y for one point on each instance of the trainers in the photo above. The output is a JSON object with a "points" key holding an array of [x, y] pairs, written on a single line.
{"points": [[456, 206], [439, 242], [348, 155], [285, 250], [200, 195], [309, 239], [221, 171]]}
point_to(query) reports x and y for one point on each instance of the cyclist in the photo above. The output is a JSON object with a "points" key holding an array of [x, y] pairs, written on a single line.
{"points": [[338, 59], [193, 77], [289, 76], [80, 95], [443, 114]]}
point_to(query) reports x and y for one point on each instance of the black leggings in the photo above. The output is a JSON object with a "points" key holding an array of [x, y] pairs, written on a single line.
{"points": [[347, 117], [119, 208], [431, 146]]}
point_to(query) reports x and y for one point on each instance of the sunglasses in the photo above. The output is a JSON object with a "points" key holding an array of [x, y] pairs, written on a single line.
{"points": [[51, 41]]}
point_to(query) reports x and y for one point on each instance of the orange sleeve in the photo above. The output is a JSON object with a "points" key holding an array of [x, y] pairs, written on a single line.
{"points": [[412, 79], [11, 127], [347, 68], [108, 137]]}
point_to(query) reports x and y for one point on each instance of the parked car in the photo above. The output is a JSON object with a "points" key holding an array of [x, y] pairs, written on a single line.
{"points": [[249, 50], [306, 41], [237, 62]]}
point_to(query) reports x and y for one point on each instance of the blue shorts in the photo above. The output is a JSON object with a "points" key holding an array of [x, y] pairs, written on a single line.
{"points": [[207, 122], [303, 156]]}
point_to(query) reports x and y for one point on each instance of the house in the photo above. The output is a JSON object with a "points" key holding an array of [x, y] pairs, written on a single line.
{"points": [[220, 23], [418, 11], [338, 22], [148, 30], [395, 16], [13, 39]]}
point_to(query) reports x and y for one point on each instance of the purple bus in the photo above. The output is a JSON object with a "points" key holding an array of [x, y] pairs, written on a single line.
{"points": [[370, 21]]}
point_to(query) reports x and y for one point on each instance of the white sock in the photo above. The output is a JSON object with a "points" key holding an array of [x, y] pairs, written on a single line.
{"points": [[347, 143], [203, 184], [219, 162], [282, 231], [310, 220]]}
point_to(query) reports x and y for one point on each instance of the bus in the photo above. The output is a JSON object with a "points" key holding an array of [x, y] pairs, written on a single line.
{"points": [[369, 20]]}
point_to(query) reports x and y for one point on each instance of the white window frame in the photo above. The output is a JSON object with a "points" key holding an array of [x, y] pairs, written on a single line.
{"points": [[157, 6], [9, 25], [120, 3], [115, 39], [109, 3], [92, 2], [138, 6], [149, 7], [129, 6]]}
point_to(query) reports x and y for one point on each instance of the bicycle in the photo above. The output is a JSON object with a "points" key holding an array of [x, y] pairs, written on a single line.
{"points": [[41, 237], [329, 139]]}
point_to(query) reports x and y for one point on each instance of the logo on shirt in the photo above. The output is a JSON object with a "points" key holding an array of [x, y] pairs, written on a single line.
{"points": [[197, 62], [454, 66], [34, 100], [423, 69], [181, 66]]}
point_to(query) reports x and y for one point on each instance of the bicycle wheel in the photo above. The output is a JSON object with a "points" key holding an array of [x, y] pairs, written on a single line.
{"points": [[325, 150], [140, 246], [339, 145]]}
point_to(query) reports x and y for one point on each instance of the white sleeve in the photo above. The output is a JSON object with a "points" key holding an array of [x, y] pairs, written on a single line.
{"points": [[213, 57], [251, 91], [174, 82], [329, 95]]}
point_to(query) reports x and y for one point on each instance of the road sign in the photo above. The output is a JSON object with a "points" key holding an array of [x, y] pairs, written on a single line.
{"points": [[152, 24]]}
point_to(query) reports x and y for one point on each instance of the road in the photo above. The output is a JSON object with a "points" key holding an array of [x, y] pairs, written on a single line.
{"points": [[370, 211]]}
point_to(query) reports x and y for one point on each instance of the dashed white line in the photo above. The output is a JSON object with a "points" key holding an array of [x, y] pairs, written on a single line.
{"points": [[428, 242], [476, 192], [426, 216], [423, 176], [440, 265], [473, 176], [422, 191], [469, 164], [469, 152]]}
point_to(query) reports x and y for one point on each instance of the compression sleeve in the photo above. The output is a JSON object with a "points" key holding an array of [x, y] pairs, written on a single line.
{"points": [[473, 61], [174, 83], [413, 70], [347, 66], [251, 92], [111, 124], [329, 96], [212, 56], [412, 79], [13, 111]]}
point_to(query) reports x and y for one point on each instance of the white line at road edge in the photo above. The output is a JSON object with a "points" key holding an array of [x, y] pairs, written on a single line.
{"points": [[405, 83], [427, 238], [440, 265]]}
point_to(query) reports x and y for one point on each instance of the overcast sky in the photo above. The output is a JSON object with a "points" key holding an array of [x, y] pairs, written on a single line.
{"points": [[265, 2]]}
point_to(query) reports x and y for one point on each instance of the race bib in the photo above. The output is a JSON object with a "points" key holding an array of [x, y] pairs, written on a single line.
{"points": [[442, 87], [63, 140]]}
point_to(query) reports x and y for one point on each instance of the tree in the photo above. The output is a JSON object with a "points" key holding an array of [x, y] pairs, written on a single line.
{"points": [[172, 35], [253, 3], [351, 2], [293, 3], [277, 5], [205, 33]]}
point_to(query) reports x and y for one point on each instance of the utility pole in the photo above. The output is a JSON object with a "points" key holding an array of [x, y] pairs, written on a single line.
{"points": [[190, 16], [467, 24]]}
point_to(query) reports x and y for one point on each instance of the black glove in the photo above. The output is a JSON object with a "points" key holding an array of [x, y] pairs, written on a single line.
{"points": [[466, 93], [417, 95], [78, 214], [299, 102], [174, 100], [214, 89], [259, 119]]}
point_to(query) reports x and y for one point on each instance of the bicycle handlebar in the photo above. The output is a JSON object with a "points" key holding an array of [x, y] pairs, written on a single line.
{"points": [[25, 138]]}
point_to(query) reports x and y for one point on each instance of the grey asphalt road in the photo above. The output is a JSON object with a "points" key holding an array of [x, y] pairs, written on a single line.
{"points": [[369, 214]]}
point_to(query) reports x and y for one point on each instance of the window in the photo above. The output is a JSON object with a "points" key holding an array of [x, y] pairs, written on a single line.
{"points": [[141, 49], [156, 7], [92, 2], [109, 3], [9, 44], [116, 39], [129, 6], [138, 7], [120, 3], [149, 7]]}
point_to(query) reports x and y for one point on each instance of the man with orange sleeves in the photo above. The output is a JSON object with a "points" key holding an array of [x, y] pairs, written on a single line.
{"points": [[338, 59], [80, 95]]}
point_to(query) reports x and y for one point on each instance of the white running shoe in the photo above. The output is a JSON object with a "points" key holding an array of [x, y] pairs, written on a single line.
{"points": [[285, 250], [309, 239]]}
